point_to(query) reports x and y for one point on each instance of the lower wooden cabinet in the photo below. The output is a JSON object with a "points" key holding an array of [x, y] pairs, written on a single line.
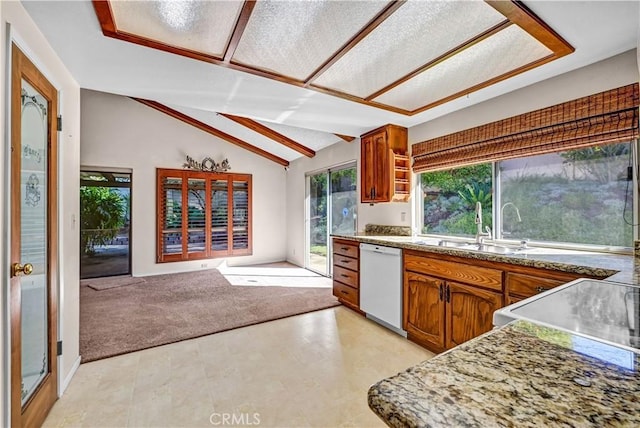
{"points": [[424, 309], [442, 314], [469, 312], [346, 267]]}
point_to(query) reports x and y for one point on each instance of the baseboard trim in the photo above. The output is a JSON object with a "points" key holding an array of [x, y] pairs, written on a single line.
{"points": [[67, 380]]}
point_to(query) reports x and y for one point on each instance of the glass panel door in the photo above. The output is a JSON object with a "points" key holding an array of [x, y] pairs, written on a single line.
{"points": [[172, 215], [344, 201], [33, 242], [317, 253], [196, 215], [105, 224], [219, 215], [333, 207], [240, 215]]}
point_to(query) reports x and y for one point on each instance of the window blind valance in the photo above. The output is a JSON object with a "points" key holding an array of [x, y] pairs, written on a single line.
{"points": [[606, 117]]}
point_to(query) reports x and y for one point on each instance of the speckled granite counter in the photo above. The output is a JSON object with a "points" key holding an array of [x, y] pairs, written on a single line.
{"points": [[521, 375], [614, 267]]}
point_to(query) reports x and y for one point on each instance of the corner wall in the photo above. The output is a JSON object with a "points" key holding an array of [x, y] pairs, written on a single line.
{"points": [[118, 132], [35, 46]]}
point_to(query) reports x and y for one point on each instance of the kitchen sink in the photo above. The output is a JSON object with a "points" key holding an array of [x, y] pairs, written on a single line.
{"points": [[496, 249], [456, 244]]}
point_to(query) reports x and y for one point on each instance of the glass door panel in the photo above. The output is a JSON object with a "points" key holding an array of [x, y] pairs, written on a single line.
{"points": [[196, 215], [240, 215], [172, 215], [33, 242], [317, 255], [344, 201], [219, 215]]}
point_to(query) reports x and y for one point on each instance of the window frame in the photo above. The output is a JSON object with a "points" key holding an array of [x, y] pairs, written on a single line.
{"points": [[209, 177], [497, 220]]}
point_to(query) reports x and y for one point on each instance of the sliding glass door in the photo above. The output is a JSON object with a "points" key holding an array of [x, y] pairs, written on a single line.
{"points": [[332, 208]]}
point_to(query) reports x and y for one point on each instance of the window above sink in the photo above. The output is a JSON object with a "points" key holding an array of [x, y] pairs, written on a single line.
{"points": [[579, 199]]}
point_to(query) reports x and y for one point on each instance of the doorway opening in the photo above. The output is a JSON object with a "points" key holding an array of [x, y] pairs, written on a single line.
{"points": [[105, 223], [332, 208]]}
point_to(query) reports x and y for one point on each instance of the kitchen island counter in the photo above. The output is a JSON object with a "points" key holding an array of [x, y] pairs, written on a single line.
{"points": [[520, 375]]}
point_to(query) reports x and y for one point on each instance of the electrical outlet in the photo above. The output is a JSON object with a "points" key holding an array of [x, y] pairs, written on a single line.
{"points": [[204, 265], [294, 251]]}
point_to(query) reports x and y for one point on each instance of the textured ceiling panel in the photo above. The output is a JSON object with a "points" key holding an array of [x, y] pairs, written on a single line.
{"points": [[415, 34], [295, 38], [499, 54], [203, 26]]}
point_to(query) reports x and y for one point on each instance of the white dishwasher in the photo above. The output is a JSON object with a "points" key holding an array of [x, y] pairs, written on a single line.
{"points": [[381, 285]]}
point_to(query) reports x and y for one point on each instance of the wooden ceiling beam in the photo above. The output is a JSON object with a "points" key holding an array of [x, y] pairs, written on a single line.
{"points": [[270, 133], [364, 32], [211, 130], [346, 138], [238, 30]]}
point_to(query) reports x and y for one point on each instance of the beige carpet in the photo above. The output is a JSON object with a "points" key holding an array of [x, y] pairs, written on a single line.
{"points": [[111, 282], [169, 308]]}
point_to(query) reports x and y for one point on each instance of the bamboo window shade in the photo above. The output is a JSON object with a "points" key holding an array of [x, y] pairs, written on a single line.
{"points": [[603, 118]]}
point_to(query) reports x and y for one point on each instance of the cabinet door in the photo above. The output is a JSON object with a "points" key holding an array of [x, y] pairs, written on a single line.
{"points": [[382, 175], [424, 309], [367, 170], [469, 312]]}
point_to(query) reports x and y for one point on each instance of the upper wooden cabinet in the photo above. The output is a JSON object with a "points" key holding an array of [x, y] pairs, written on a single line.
{"points": [[385, 172]]}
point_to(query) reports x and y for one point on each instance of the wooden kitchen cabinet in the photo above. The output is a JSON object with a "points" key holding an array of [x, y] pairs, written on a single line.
{"points": [[384, 172], [440, 312], [469, 312], [424, 309], [346, 266], [529, 282]]}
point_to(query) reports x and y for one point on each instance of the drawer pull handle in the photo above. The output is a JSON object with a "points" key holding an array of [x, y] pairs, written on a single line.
{"points": [[541, 289], [343, 292], [344, 276], [346, 261], [345, 248]]}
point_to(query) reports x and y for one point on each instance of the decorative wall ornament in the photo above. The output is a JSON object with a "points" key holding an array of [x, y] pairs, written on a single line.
{"points": [[207, 164], [32, 193]]}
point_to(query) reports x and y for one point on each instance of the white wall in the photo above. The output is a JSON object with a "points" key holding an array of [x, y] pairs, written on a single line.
{"points": [[342, 152], [122, 133], [36, 47], [611, 73]]}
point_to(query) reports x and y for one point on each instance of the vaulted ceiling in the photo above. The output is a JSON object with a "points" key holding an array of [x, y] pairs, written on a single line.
{"points": [[292, 77]]}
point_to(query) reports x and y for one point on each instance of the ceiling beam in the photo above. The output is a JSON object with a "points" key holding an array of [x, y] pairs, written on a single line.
{"points": [[238, 30], [346, 138], [270, 133], [522, 16], [211, 130], [456, 50], [368, 28]]}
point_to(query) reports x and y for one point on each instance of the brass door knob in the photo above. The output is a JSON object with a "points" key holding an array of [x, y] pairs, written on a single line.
{"points": [[25, 269]]}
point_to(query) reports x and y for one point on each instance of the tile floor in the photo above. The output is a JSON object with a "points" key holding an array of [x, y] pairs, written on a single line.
{"points": [[309, 370]]}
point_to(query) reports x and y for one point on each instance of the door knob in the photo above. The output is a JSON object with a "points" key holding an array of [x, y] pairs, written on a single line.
{"points": [[25, 269]]}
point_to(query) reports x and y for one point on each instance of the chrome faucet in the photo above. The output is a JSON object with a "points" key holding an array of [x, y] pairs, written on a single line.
{"points": [[502, 216], [480, 235]]}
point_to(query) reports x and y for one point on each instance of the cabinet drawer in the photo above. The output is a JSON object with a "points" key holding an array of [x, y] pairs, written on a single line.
{"points": [[346, 293], [528, 285], [344, 249], [468, 274], [345, 262], [345, 276]]}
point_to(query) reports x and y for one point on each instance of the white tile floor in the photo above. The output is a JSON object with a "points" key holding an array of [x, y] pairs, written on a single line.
{"points": [[309, 370]]}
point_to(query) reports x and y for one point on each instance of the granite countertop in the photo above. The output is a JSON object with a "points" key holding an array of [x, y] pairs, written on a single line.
{"points": [[521, 375], [614, 267]]}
